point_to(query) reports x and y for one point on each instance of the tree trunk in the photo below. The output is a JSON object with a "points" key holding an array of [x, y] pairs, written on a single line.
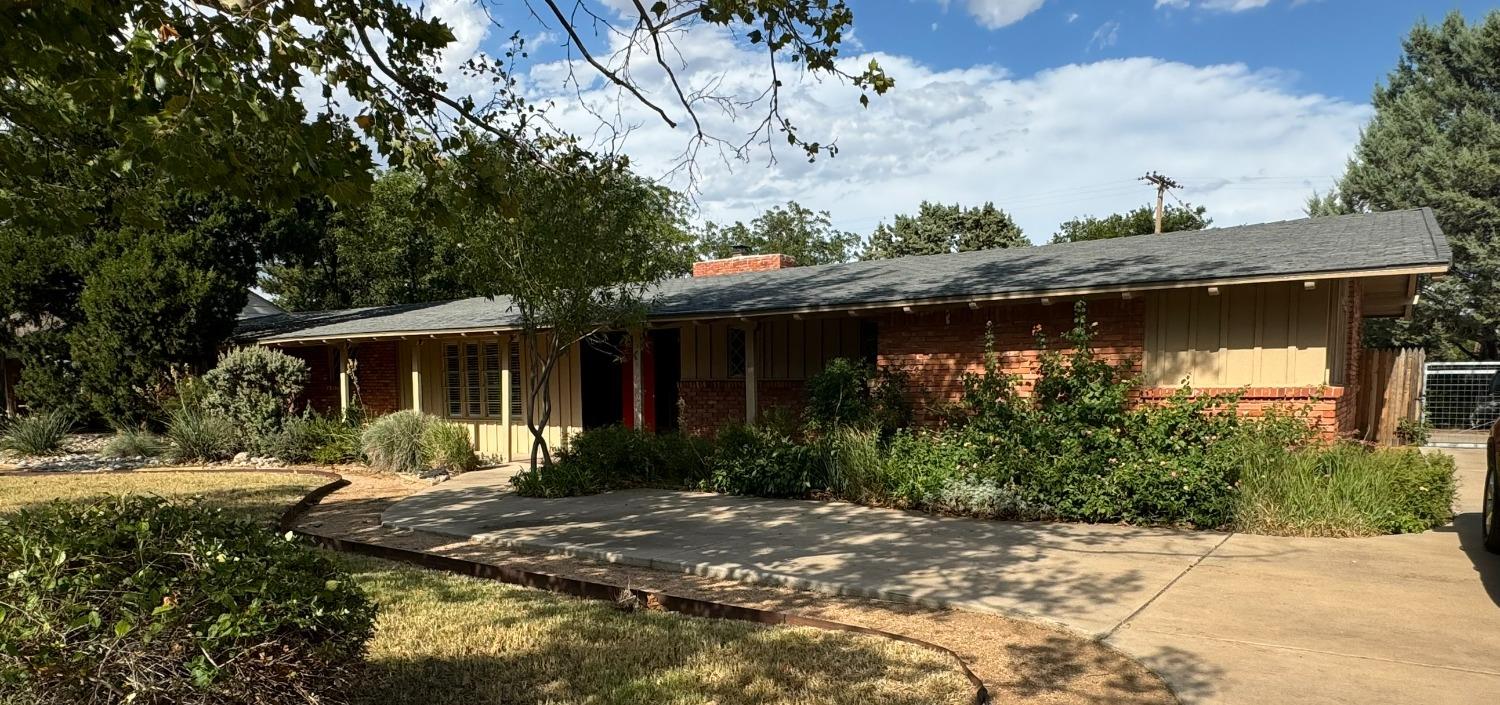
{"points": [[541, 384]]}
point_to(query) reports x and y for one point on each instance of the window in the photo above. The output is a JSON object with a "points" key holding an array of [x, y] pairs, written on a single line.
{"points": [[471, 379], [492, 379], [869, 341], [451, 375], [516, 410], [736, 352]]}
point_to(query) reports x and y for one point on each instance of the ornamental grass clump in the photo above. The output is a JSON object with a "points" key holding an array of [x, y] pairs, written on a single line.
{"points": [[196, 435], [448, 448], [395, 442], [37, 434], [133, 443], [140, 600]]}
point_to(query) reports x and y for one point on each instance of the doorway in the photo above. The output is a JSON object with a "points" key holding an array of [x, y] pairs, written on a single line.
{"points": [[601, 362]]}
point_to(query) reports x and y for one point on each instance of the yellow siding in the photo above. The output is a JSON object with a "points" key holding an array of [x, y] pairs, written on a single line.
{"points": [[1266, 335], [504, 437], [787, 349]]}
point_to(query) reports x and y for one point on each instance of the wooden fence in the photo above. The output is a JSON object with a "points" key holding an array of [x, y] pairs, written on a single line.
{"points": [[1390, 390]]}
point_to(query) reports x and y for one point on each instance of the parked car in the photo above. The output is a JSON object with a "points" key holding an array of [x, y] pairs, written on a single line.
{"points": [[1492, 491]]}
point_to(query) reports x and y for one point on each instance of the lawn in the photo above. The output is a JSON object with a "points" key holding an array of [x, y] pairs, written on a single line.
{"points": [[442, 638]]}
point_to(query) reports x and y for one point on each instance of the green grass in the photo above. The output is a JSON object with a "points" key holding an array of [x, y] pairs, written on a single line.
{"points": [[444, 639], [1343, 490]]}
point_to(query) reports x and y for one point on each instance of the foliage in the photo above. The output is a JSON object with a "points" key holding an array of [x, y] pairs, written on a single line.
{"points": [[1342, 490], [615, 457], [389, 250], [197, 435], [983, 498], [1413, 432], [808, 237], [36, 434], [315, 438], [255, 388], [135, 599], [848, 392], [1332, 202], [1140, 221], [752, 461], [395, 442], [939, 229], [1432, 143], [133, 443], [49, 379], [448, 447], [578, 257]]}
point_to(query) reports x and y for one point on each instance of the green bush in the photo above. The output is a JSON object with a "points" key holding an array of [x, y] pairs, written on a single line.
{"points": [[197, 435], [757, 462], [1413, 432], [448, 447], [37, 434], [256, 389], [314, 438], [984, 499], [136, 599], [615, 457], [395, 442], [849, 392], [133, 443], [1342, 490]]}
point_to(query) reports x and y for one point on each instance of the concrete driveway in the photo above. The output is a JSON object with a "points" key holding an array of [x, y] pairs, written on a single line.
{"points": [[1224, 618]]}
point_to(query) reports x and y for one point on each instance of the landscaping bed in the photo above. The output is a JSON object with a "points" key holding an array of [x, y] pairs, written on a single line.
{"points": [[441, 638]]}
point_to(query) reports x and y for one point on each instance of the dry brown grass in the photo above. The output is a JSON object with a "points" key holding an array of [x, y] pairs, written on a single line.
{"points": [[259, 496]]}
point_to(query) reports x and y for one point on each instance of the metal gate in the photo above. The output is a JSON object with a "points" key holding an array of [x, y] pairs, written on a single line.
{"points": [[1462, 401]]}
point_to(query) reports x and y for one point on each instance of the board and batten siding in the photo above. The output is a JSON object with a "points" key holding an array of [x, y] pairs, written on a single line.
{"points": [[1264, 335], [497, 423], [787, 349]]}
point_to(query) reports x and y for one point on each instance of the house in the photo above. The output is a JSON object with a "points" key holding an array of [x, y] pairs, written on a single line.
{"points": [[1274, 309]]}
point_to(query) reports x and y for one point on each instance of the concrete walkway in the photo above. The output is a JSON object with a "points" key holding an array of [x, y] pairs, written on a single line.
{"points": [[1224, 618]]}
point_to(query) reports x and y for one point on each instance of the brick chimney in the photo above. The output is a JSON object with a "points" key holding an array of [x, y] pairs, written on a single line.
{"points": [[739, 264]]}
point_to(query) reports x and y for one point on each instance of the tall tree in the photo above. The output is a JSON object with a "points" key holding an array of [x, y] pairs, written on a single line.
{"points": [[1320, 205], [1139, 221], [1435, 141], [577, 253], [938, 229], [388, 250], [807, 236]]}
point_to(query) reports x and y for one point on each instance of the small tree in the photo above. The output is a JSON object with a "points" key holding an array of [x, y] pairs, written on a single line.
{"points": [[576, 244], [1141, 221]]}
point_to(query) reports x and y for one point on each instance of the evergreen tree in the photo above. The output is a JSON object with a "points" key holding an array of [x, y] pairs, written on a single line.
{"points": [[1140, 221], [1435, 141], [938, 229]]}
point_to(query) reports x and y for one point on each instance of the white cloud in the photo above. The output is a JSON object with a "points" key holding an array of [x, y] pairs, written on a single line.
{"points": [[1171, 4], [994, 14], [1047, 147], [1106, 35], [1219, 5], [1072, 17]]}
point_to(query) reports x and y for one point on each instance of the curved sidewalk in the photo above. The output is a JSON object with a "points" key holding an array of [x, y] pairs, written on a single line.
{"points": [[1223, 618]]}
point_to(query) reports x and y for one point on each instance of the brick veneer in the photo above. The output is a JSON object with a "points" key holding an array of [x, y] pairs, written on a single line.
{"points": [[375, 373], [1324, 405], [705, 406], [1347, 409], [937, 349], [322, 391], [740, 265]]}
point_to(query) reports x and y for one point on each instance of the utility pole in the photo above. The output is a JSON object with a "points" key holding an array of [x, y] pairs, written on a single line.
{"points": [[1162, 183]]}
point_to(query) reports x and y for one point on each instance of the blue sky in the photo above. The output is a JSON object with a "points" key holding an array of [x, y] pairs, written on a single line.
{"points": [[1048, 108]]}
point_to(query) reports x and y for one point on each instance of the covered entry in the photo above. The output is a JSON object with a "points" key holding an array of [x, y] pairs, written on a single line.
{"points": [[610, 374]]}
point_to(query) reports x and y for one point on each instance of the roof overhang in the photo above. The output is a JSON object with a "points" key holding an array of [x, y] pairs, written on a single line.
{"points": [[1408, 274]]}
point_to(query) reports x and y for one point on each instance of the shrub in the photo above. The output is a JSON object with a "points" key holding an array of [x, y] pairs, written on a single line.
{"points": [[136, 599], [985, 499], [1342, 490], [752, 461], [448, 447], [849, 392], [615, 457], [856, 466], [1413, 432], [197, 435], [133, 443], [37, 434], [255, 388], [311, 437], [395, 442], [919, 464]]}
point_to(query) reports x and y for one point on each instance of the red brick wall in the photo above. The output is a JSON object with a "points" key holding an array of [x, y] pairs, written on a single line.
{"points": [[740, 265], [322, 392], [937, 349], [706, 406], [1324, 405], [1347, 411], [375, 375]]}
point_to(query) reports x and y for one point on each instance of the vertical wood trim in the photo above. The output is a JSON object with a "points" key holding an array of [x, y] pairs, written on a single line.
{"points": [[796, 346], [344, 401], [415, 356], [752, 337], [506, 433], [1294, 304], [637, 379]]}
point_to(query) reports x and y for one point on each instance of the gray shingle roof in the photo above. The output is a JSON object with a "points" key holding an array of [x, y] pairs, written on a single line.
{"points": [[1310, 246]]}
